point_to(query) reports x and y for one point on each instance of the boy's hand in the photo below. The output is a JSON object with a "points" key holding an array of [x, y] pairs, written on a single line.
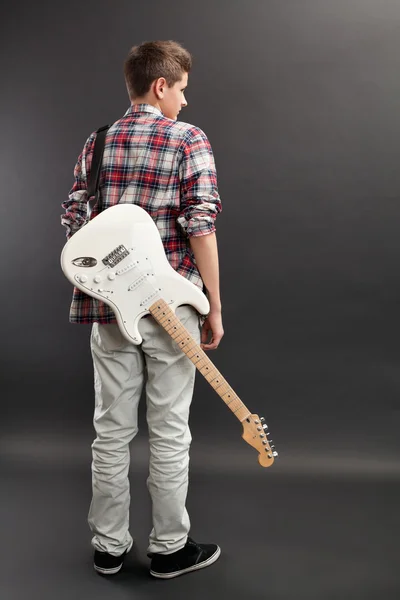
{"points": [[212, 325]]}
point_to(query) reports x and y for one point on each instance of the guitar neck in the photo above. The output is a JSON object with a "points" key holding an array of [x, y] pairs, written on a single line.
{"points": [[168, 320]]}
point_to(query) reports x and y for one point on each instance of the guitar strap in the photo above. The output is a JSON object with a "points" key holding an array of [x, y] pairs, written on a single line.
{"points": [[94, 177]]}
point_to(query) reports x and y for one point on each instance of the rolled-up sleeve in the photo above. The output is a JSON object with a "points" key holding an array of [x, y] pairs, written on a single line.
{"points": [[200, 201], [76, 205]]}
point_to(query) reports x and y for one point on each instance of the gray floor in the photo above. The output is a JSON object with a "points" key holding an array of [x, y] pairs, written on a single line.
{"points": [[326, 532]]}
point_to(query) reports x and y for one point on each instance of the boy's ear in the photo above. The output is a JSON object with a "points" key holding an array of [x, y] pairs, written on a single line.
{"points": [[159, 86]]}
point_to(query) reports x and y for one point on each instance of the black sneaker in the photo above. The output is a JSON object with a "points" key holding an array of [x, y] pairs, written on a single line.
{"points": [[107, 564], [189, 558]]}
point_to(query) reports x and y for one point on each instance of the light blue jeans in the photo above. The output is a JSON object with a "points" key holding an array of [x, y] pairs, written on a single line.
{"points": [[121, 369]]}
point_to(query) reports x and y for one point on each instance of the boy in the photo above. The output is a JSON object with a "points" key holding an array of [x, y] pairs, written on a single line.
{"points": [[169, 168]]}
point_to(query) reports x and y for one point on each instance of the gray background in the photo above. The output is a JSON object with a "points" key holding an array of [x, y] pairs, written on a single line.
{"points": [[299, 99]]}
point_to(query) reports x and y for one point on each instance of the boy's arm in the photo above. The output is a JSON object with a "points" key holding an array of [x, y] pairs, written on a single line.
{"points": [[206, 254], [200, 204], [205, 251], [76, 205]]}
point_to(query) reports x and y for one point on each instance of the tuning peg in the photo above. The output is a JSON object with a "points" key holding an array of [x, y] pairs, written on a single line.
{"points": [[262, 419], [274, 453], [265, 426]]}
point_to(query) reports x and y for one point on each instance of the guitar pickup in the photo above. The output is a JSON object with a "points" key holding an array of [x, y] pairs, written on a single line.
{"points": [[129, 267], [139, 281]]}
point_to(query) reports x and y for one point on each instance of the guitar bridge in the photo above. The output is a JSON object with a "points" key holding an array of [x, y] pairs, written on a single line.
{"points": [[115, 257]]}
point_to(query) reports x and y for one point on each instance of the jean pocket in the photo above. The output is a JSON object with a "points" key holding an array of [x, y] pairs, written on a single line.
{"points": [[107, 337]]}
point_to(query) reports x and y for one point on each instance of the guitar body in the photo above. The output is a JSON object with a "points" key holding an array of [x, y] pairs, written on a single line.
{"points": [[119, 258]]}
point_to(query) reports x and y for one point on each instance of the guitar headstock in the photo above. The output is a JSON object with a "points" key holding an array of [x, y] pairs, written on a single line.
{"points": [[255, 433]]}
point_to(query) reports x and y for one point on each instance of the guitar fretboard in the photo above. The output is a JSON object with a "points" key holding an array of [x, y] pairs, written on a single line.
{"points": [[167, 319]]}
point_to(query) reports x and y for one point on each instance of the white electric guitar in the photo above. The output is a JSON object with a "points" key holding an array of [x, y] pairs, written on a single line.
{"points": [[118, 257]]}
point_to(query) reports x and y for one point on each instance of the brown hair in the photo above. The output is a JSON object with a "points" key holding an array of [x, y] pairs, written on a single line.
{"points": [[152, 60]]}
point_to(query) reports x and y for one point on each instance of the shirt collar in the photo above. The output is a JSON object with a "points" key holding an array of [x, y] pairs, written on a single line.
{"points": [[136, 109]]}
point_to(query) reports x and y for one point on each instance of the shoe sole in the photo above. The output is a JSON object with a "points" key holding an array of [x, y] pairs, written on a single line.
{"points": [[202, 565], [114, 570], [108, 571]]}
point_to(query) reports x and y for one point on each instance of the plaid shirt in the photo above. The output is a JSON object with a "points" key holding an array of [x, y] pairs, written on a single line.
{"points": [[170, 170]]}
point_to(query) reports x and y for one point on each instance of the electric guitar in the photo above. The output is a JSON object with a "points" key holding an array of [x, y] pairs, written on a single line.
{"points": [[118, 257]]}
